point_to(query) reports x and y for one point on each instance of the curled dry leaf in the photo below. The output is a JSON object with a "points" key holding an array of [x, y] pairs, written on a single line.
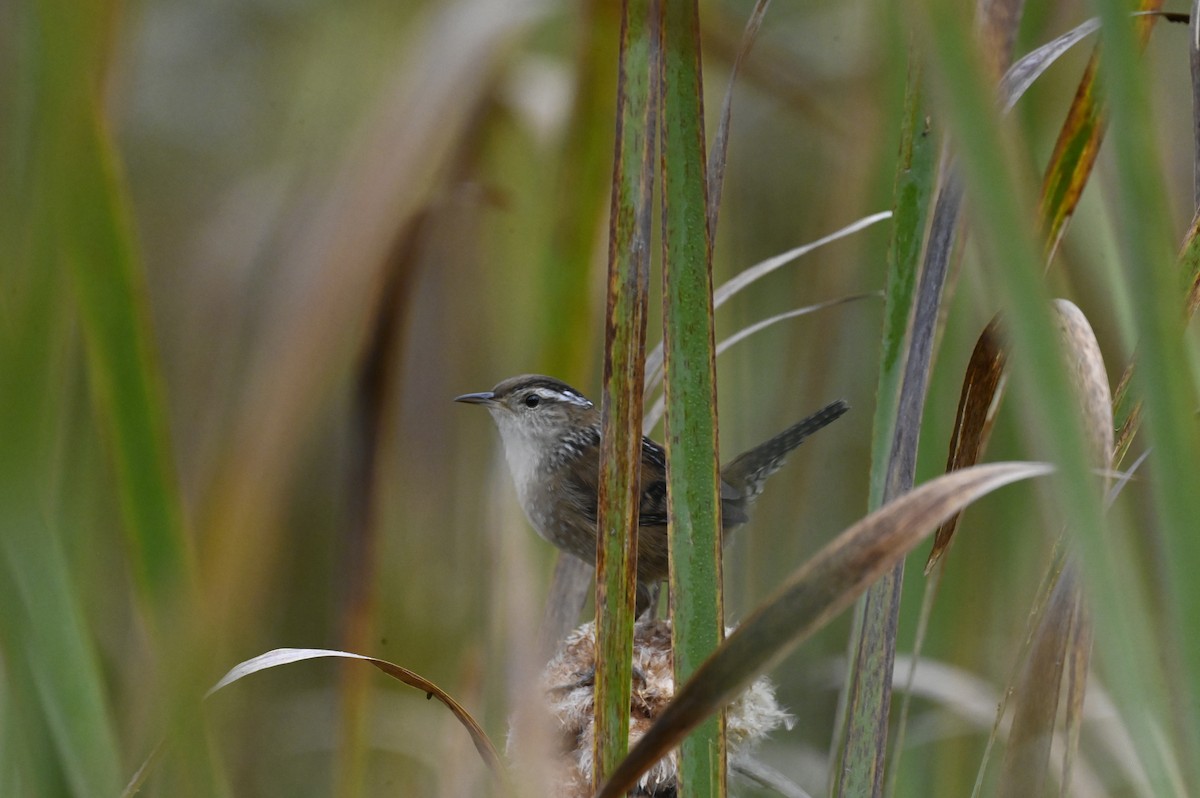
{"points": [[982, 389], [285, 656]]}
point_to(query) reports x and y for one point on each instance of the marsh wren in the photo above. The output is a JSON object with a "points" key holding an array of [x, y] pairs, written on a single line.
{"points": [[551, 438]]}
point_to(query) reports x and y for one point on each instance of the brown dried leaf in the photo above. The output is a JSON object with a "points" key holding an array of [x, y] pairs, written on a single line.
{"points": [[982, 389]]}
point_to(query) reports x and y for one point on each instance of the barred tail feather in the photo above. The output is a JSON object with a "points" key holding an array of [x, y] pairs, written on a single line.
{"points": [[747, 473]]}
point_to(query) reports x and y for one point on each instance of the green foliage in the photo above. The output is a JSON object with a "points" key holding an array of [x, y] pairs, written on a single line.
{"points": [[222, 226], [689, 368], [624, 375]]}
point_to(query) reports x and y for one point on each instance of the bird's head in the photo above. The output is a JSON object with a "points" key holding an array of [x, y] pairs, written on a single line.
{"points": [[539, 418]]}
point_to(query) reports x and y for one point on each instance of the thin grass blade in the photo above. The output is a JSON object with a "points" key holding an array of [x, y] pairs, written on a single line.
{"points": [[716, 158], [95, 241], [753, 273], [655, 413], [1078, 666], [1189, 259], [1127, 407], [51, 667], [287, 656], [1057, 561], [110, 286], [1194, 60], [62, 219], [55, 689], [1078, 145], [756, 272], [974, 699], [768, 778], [1021, 75], [59, 672]]}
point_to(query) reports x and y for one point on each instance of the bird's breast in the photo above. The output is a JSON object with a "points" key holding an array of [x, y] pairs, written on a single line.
{"points": [[556, 517]]}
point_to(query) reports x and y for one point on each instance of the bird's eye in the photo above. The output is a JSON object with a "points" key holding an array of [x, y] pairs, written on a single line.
{"points": [[533, 400]]}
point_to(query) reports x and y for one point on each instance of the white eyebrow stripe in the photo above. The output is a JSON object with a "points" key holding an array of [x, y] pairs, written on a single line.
{"points": [[562, 396]]}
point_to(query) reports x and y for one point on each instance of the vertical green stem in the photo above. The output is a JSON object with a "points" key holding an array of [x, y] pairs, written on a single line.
{"points": [[861, 737], [621, 405], [691, 422]]}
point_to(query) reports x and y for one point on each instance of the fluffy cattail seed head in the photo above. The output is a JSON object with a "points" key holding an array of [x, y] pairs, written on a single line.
{"points": [[567, 684]]}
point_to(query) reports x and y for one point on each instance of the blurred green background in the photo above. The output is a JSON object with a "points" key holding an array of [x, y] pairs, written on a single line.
{"points": [[332, 218]]}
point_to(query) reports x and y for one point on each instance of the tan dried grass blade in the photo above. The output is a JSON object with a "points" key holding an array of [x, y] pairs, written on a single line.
{"points": [[286, 656]]}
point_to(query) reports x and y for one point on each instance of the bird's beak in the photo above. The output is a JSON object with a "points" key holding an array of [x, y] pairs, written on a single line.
{"points": [[485, 398]]}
